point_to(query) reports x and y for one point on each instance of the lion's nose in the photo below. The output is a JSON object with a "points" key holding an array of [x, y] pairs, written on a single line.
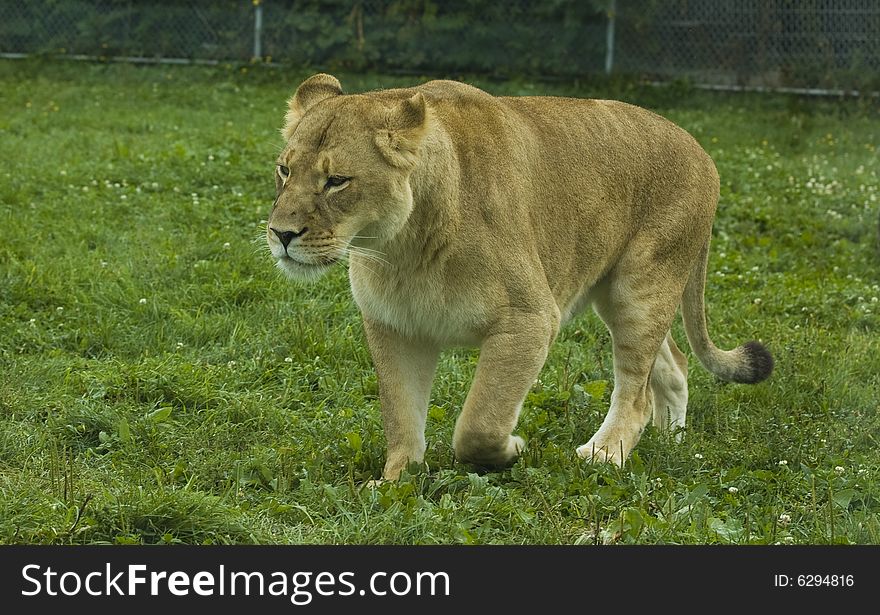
{"points": [[285, 237]]}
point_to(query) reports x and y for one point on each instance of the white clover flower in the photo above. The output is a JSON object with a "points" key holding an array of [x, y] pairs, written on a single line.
{"points": [[757, 301], [784, 519], [143, 301], [732, 490], [698, 456], [783, 462], [227, 245], [288, 360], [839, 470]]}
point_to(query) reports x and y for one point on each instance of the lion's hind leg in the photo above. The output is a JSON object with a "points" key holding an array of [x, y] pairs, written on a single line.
{"points": [[638, 306], [669, 386]]}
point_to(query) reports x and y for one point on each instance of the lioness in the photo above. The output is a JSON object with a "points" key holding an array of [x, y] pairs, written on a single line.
{"points": [[471, 219]]}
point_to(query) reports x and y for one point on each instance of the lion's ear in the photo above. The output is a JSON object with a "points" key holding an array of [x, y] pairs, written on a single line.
{"points": [[309, 93], [406, 127]]}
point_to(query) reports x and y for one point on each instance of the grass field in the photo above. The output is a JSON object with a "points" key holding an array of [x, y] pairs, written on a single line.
{"points": [[160, 381]]}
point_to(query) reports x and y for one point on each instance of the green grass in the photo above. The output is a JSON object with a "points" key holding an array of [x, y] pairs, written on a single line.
{"points": [[160, 381]]}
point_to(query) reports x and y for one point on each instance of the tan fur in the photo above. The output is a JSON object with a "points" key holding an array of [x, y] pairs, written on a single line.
{"points": [[470, 219]]}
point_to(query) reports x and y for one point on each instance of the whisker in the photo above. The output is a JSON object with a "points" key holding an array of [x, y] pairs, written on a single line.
{"points": [[345, 257], [262, 250], [274, 144], [370, 269], [370, 250], [372, 257], [339, 243], [375, 257], [260, 246]]}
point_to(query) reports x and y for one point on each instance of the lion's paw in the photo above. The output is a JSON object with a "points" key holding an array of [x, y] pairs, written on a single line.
{"points": [[601, 451], [476, 451]]}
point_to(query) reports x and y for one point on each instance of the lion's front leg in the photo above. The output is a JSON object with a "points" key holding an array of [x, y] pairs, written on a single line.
{"points": [[510, 360], [405, 369]]}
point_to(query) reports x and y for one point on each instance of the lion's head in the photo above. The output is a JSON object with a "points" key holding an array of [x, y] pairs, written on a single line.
{"points": [[342, 179]]}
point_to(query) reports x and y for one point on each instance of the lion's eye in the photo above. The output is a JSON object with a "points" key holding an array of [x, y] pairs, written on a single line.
{"points": [[336, 181], [283, 171]]}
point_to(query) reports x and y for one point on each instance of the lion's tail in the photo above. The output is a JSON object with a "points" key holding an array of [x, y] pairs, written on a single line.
{"points": [[749, 363]]}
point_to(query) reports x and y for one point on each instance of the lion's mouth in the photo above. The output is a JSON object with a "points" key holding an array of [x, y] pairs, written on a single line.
{"points": [[326, 261]]}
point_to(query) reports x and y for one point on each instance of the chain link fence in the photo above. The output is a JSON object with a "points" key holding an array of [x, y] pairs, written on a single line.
{"points": [[769, 43]]}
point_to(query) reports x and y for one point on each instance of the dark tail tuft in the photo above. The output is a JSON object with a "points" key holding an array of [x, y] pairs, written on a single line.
{"points": [[759, 362]]}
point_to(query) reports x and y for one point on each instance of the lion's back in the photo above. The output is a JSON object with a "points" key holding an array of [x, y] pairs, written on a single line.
{"points": [[547, 134]]}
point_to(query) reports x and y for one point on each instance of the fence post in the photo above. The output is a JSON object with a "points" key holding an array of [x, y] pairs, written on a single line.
{"points": [[611, 14], [258, 29]]}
